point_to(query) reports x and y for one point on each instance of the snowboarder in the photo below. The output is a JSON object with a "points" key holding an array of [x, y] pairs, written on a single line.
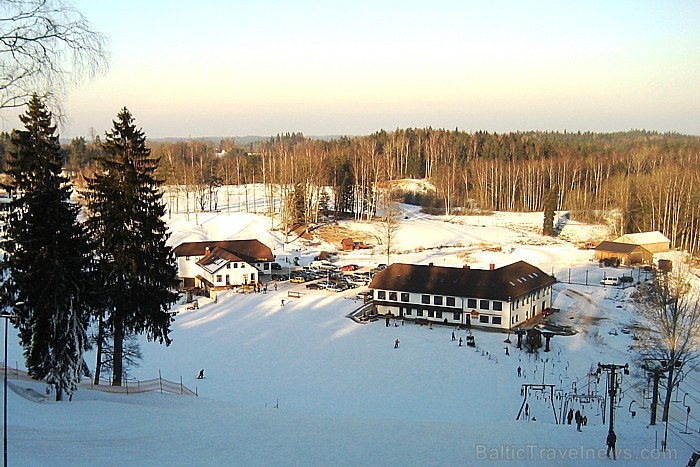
{"points": [[610, 441], [578, 419], [460, 342], [283, 302], [453, 336], [520, 372], [570, 416], [396, 344], [201, 374]]}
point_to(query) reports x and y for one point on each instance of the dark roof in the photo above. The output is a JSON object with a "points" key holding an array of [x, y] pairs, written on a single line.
{"points": [[218, 254], [504, 283], [617, 247], [248, 250]]}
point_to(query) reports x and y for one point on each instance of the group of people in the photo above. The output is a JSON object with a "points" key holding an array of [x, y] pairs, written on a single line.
{"points": [[578, 417]]}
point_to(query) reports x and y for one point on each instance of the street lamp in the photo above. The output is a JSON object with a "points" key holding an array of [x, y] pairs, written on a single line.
{"points": [[7, 316]]}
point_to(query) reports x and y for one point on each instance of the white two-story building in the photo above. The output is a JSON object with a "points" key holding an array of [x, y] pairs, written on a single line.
{"points": [[500, 298], [222, 264]]}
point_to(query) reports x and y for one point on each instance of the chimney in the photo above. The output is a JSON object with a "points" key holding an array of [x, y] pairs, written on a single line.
{"points": [[430, 264], [206, 251], [492, 266], [466, 266]]}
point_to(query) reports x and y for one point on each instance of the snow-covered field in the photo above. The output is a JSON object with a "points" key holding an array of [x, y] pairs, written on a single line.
{"points": [[301, 384]]}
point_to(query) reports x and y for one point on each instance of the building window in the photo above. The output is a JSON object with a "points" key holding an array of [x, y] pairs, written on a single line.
{"points": [[404, 296], [235, 265], [431, 313], [484, 319], [496, 320], [497, 306], [228, 265], [450, 301], [484, 304], [471, 303], [438, 314], [381, 295], [392, 296], [219, 278], [408, 312], [252, 278], [457, 316], [187, 258], [425, 299], [419, 313], [437, 300], [266, 266]]}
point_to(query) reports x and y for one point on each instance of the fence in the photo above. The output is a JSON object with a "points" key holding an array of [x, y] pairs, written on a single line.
{"points": [[129, 387]]}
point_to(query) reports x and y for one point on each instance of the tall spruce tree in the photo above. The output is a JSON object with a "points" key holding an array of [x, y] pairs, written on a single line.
{"points": [[136, 268], [47, 255]]}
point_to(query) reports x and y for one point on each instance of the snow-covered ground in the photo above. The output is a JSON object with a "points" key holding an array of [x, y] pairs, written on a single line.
{"points": [[302, 384]]}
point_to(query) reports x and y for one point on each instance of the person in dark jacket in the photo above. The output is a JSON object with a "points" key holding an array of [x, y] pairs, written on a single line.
{"points": [[570, 416], [610, 441], [579, 420]]}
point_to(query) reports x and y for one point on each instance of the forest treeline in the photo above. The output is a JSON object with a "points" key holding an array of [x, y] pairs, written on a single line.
{"points": [[649, 180]]}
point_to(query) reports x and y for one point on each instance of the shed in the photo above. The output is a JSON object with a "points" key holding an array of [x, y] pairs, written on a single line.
{"points": [[654, 242], [347, 244], [624, 253]]}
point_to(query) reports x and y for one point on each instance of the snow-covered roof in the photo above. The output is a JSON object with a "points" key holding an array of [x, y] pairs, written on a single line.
{"points": [[644, 238]]}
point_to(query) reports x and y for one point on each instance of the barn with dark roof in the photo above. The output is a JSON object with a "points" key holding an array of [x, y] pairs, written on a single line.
{"points": [[502, 297]]}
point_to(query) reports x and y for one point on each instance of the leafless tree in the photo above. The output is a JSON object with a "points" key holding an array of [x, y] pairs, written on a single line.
{"points": [[46, 47], [671, 308], [390, 222]]}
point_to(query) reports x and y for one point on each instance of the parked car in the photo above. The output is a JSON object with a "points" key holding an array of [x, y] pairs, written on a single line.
{"points": [[334, 288], [276, 266], [628, 279], [316, 286], [298, 279], [349, 267], [279, 277], [549, 310], [610, 281]]}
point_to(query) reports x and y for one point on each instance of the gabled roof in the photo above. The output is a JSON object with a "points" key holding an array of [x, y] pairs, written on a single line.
{"points": [[617, 247], [644, 238], [248, 250], [504, 283], [217, 259]]}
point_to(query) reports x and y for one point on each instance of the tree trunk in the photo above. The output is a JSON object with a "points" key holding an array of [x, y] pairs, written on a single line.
{"points": [[118, 352], [669, 392], [100, 339]]}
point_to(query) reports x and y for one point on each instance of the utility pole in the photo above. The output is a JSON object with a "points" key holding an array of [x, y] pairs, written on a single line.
{"points": [[611, 368]]}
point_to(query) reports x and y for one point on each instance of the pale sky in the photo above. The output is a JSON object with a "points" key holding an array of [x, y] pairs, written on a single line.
{"points": [[262, 67]]}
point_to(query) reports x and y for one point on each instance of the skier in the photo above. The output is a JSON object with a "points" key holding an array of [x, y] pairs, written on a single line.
{"points": [[283, 302], [275, 286], [396, 344], [201, 374], [578, 419], [520, 372], [507, 351], [460, 342], [527, 410], [570, 416], [453, 336], [610, 441]]}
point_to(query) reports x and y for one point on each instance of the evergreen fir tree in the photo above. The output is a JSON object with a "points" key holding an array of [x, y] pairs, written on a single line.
{"points": [[48, 256], [136, 268]]}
